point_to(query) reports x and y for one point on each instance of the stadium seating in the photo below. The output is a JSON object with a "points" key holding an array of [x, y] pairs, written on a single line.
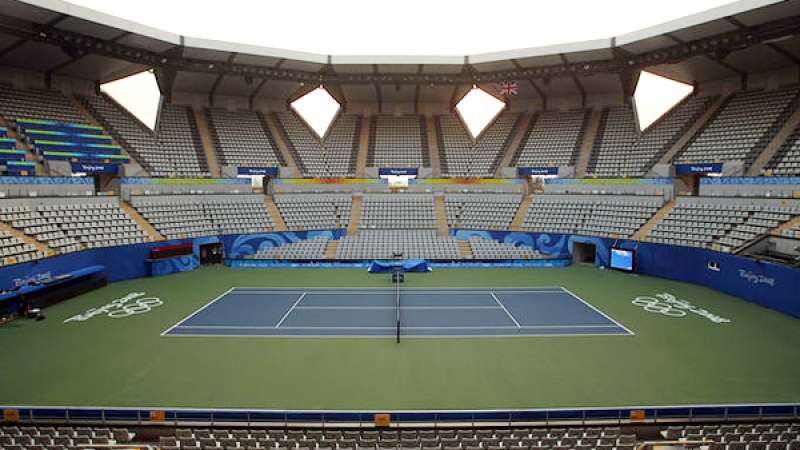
{"points": [[398, 141], [489, 249], [553, 139], [385, 244], [336, 155], [615, 137], [721, 223], [37, 104], [242, 140], [406, 438], [13, 251], [637, 159], [742, 128], [68, 225], [594, 215], [786, 161], [481, 211], [174, 149], [733, 436], [307, 249], [404, 211], [184, 216], [315, 211], [461, 156], [62, 437]]}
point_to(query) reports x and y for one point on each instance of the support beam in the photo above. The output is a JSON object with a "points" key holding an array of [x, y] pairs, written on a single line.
{"points": [[520, 130], [642, 233], [775, 144], [363, 147], [589, 137], [522, 211], [275, 214], [153, 234], [441, 215], [208, 143], [355, 216], [433, 146], [268, 120], [698, 125]]}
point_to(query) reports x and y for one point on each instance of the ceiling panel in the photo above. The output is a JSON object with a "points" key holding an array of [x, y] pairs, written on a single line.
{"points": [[35, 56]]}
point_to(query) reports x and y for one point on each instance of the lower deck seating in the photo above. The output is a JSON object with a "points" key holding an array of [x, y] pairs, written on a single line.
{"points": [[308, 249], [68, 225], [62, 437], [481, 211], [742, 436], [315, 211], [596, 215], [13, 251], [184, 216], [385, 244], [721, 223], [489, 249], [610, 438], [398, 211]]}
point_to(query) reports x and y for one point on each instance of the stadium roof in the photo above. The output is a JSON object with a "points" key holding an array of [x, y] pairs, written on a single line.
{"points": [[734, 40]]}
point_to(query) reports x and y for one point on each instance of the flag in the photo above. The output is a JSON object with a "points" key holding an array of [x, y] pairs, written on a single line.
{"points": [[509, 88]]}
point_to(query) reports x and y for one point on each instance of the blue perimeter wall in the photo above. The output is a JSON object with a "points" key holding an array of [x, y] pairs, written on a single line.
{"points": [[770, 285]]}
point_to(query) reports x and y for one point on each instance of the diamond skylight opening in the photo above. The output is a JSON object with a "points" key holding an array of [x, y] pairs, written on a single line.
{"points": [[477, 109], [318, 108], [138, 94], [655, 95]]}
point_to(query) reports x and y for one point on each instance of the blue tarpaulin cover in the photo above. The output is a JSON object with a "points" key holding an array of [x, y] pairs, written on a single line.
{"points": [[408, 265]]}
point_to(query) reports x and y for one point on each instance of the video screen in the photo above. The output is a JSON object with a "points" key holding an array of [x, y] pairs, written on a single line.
{"points": [[622, 259]]}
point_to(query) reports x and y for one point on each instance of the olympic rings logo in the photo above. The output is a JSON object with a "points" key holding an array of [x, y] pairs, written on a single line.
{"points": [[654, 305], [132, 304], [668, 305]]}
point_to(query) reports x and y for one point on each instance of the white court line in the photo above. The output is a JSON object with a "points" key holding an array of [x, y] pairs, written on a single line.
{"points": [[178, 323], [504, 309], [302, 296], [394, 307], [598, 311], [498, 327]]}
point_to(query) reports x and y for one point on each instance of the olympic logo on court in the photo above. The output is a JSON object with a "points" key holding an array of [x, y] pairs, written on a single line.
{"points": [[132, 304], [668, 305]]}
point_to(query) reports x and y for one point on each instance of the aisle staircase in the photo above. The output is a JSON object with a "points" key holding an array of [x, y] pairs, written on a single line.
{"points": [[690, 134], [520, 130], [441, 216], [207, 141], [275, 213], [330, 250], [464, 250], [268, 122], [24, 238], [590, 136], [642, 233], [355, 216], [363, 148], [775, 144], [519, 217], [433, 147], [131, 211]]}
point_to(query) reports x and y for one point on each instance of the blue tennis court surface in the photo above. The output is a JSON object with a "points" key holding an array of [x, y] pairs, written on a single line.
{"points": [[424, 312]]}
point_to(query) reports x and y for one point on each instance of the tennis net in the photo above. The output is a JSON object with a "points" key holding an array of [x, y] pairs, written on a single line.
{"points": [[397, 305]]}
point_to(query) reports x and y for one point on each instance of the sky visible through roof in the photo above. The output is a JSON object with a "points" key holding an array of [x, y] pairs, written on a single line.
{"points": [[411, 27]]}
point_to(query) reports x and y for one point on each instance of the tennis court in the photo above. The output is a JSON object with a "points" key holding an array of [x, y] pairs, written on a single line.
{"points": [[415, 312]]}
